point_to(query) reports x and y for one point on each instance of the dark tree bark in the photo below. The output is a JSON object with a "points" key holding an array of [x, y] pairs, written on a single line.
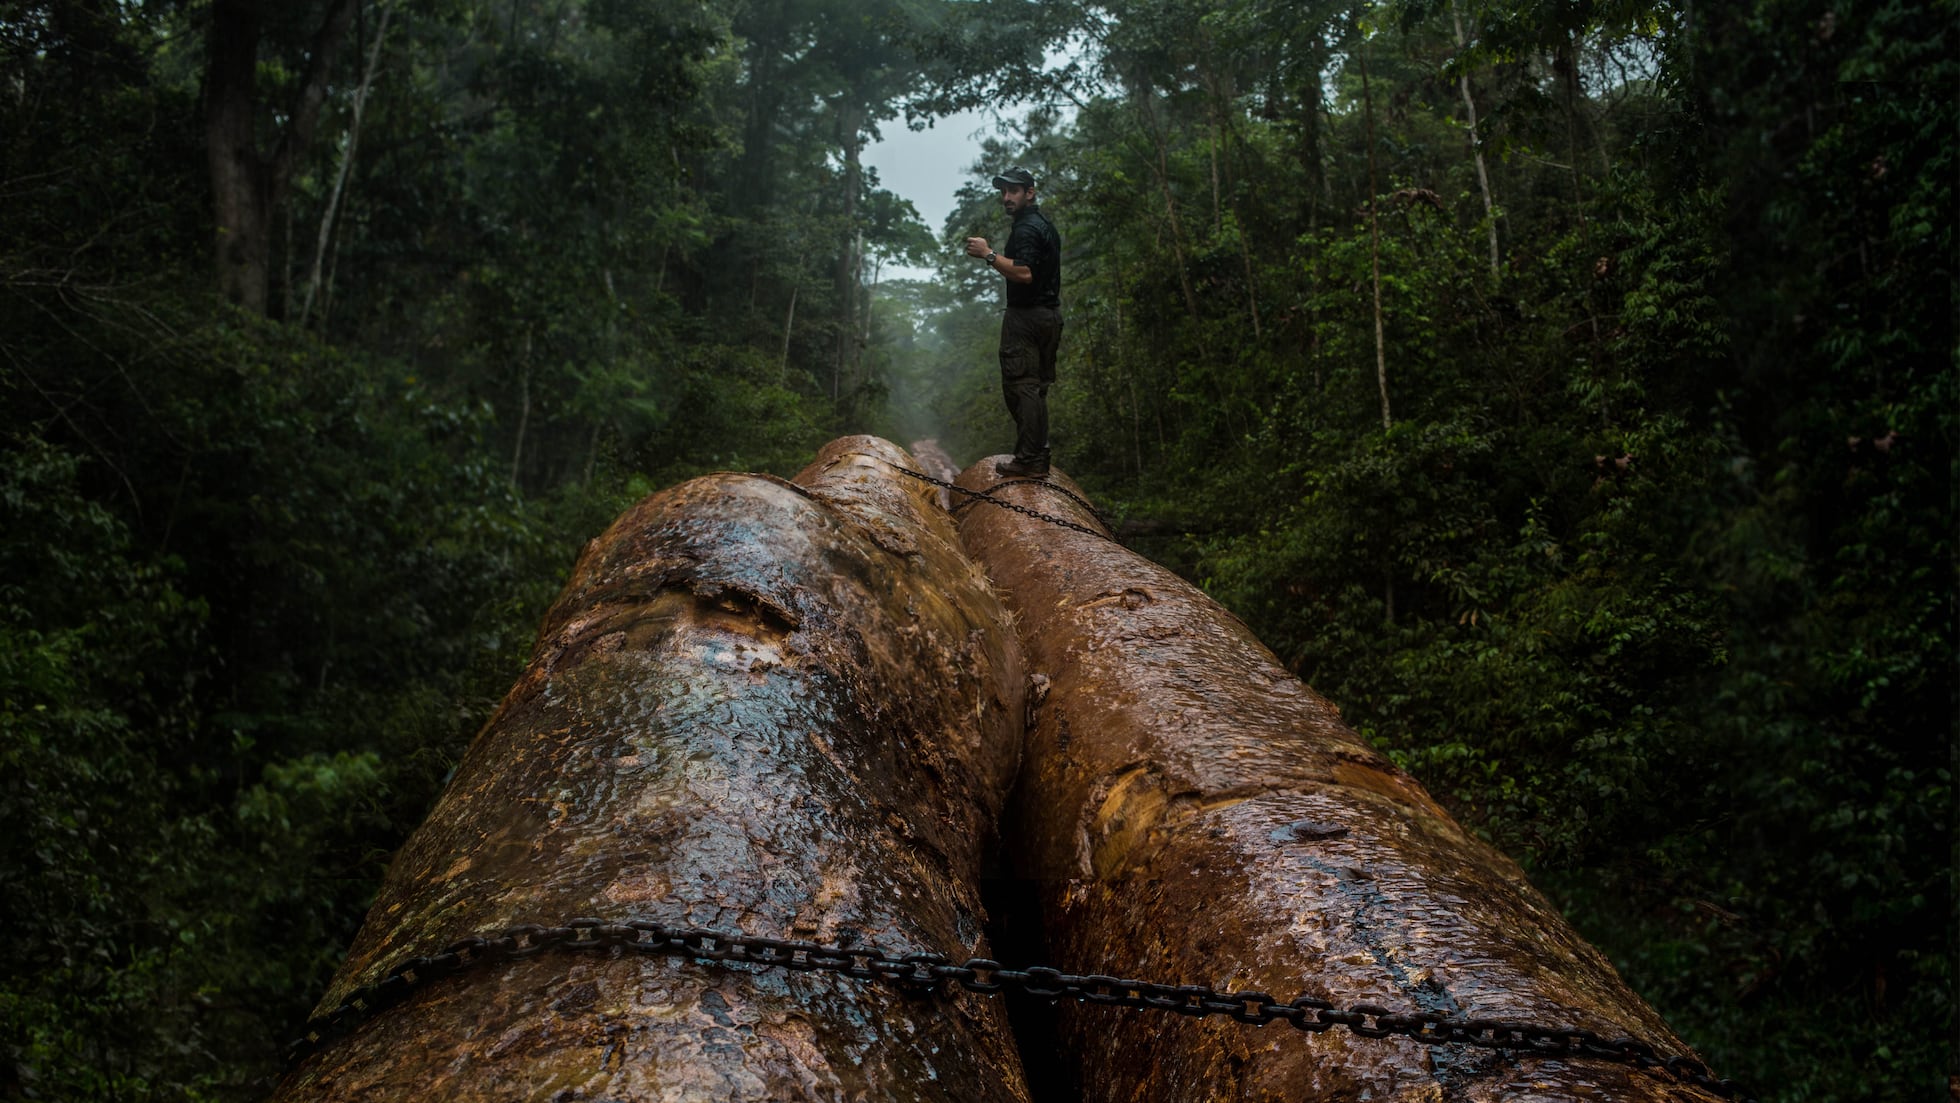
{"points": [[248, 185], [788, 709], [1189, 811], [763, 26], [1312, 106]]}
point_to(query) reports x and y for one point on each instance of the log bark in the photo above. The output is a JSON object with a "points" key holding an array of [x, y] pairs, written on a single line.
{"points": [[934, 460], [785, 708], [1190, 812]]}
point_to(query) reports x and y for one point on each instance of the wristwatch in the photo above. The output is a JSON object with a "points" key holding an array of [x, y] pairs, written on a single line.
{"points": [[990, 257]]}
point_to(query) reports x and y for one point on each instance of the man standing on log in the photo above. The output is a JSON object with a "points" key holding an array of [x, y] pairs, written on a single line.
{"points": [[1031, 331]]}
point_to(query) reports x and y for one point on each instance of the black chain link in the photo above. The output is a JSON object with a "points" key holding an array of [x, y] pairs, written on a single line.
{"points": [[924, 974], [987, 496], [1087, 506]]}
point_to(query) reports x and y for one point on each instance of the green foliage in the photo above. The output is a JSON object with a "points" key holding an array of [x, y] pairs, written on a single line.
{"points": [[84, 813], [1650, 578], [261, 578], [252, 712]]}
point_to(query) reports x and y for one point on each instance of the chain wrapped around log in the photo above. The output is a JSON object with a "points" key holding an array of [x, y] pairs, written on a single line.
{"points": [[768, 706], [1188, 808], [925, 973]]}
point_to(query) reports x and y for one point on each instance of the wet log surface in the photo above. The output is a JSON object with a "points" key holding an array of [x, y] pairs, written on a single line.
{"points": [[788, 709], [1190, 812]]}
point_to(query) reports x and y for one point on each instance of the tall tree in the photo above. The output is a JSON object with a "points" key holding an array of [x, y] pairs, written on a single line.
{"points": [[248, 182], [349, 147], [1474, 140], [1375, 242]]}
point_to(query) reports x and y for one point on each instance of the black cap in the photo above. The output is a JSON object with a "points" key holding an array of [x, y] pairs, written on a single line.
{"points": [[1018, 177]]}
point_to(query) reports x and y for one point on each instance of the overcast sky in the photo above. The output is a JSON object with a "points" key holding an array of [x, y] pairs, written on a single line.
{"points": [[927, 167]]}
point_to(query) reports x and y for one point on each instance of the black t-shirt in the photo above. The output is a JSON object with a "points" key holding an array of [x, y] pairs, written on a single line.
{"points": [[1034, 243]]}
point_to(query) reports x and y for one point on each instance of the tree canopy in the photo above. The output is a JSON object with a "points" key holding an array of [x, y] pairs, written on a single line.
{"points": [[1566, 389]]}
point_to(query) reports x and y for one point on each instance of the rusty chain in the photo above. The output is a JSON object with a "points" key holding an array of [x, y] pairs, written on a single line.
{"points": [[988, 497], [926, 974]]}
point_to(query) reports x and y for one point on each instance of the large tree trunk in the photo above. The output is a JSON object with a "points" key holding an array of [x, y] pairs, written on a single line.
{"points": [[238, 186], [248, 185], [763, 27], [1190, 812], [788, 709]]}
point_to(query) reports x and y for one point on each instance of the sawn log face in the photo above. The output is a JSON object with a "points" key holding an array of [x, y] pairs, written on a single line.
{"points": [[789, 709], [1191, 812]]}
